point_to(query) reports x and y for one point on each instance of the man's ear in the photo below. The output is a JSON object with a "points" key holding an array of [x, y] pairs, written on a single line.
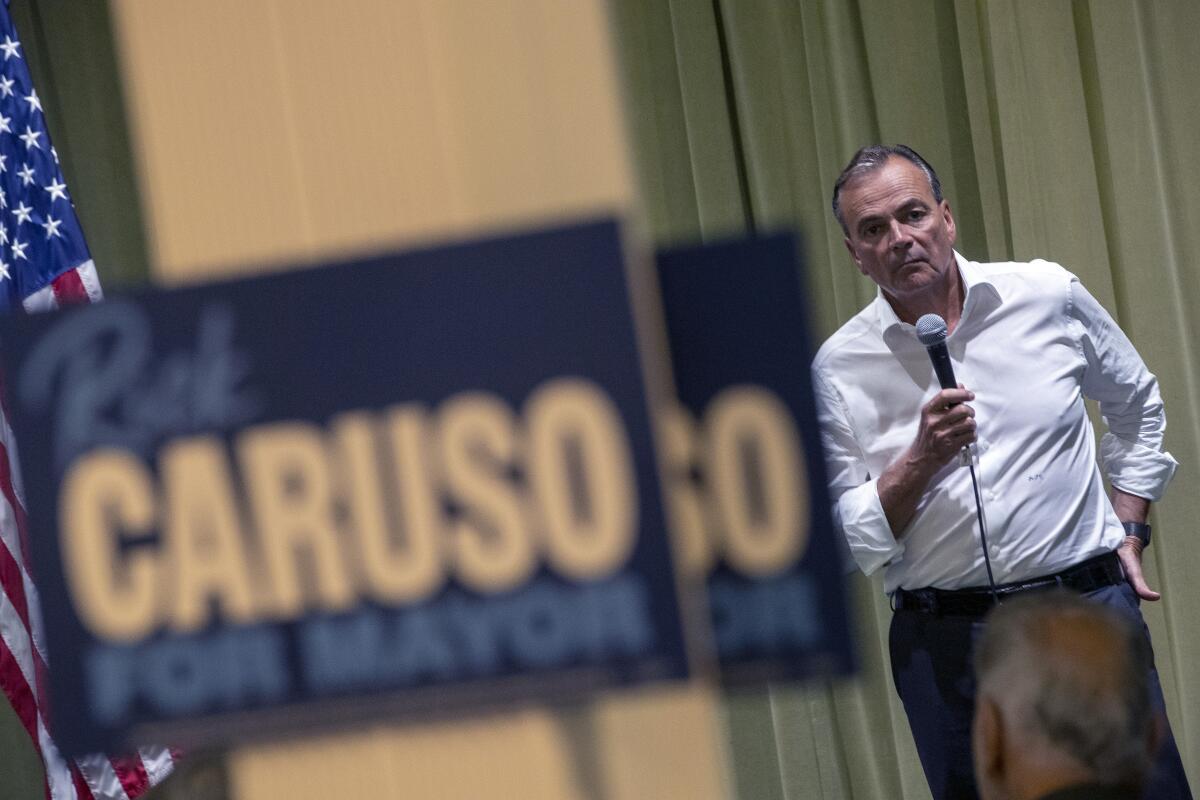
{"points": [[853, 254], [948, 217], [987, 741]]}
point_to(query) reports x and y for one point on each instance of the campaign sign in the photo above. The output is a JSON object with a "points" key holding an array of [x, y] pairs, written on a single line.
{"points": [[745, 472], [418, 481]]}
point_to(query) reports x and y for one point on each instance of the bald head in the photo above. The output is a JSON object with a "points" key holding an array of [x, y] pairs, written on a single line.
{"points": [[1067, 680]]}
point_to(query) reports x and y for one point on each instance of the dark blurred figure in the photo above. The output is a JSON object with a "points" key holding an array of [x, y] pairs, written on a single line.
{"points": [[1062, 709]]}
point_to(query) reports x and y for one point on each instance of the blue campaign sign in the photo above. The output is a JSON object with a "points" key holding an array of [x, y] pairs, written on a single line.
{"points": [[422, 480], [745, 472]]}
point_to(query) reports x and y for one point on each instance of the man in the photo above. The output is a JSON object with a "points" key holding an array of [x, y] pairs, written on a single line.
{"points": [[1063, 709], [1029, 343]]}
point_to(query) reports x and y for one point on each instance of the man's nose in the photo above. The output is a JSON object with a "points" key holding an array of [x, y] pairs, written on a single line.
{"points": [[899, 237]]}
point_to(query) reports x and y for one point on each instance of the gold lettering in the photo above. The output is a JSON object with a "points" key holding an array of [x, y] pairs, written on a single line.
{"points": [[492, 549], [289, 487], [107, 495], [202, 534], [756, 471], [580, 470], [395, 571]]}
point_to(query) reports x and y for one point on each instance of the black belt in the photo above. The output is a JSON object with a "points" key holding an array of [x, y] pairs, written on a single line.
{"points": [[1095, 573]]}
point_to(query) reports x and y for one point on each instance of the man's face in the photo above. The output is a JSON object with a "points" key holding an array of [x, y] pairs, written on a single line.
{"points": [[899, 236]]}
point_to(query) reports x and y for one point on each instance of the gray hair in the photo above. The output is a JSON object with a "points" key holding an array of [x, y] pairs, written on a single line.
{"points": [[1074, 673], [871, 158]]}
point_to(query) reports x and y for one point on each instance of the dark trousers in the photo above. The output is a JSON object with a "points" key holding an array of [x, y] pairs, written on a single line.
{"points": [[931, 665]]}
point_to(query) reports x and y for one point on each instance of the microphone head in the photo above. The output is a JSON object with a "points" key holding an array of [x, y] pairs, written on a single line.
{"points": [[931, 330]]}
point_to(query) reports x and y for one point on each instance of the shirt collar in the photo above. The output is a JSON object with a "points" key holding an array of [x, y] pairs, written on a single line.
{"points": [[976, 287]]}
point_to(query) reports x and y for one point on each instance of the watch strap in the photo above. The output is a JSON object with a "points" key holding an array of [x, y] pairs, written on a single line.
{"points": [[1138, 530]]}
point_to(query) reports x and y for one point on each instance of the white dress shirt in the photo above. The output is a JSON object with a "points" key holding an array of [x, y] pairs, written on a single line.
{"points": [[1031, 344]]}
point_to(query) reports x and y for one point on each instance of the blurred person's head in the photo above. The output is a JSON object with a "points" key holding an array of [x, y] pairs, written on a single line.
{"points": [[1062, 698]]}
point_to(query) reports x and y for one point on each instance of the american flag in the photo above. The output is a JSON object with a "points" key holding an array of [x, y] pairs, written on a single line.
{"points": [[44, 264]]}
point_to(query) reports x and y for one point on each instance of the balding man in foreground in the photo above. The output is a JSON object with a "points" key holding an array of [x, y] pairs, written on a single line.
{"points": [[1062, 710]]}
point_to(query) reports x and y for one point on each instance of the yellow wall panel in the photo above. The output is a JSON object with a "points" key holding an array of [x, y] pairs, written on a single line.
{"points": [[368, 145], [640, 745], [657, 744], [543, 135], [211, 133], [447, 761], [295, 129]]}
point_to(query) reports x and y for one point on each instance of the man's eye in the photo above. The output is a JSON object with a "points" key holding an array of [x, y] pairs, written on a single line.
{"points": [[916, 214], [871, 230]]}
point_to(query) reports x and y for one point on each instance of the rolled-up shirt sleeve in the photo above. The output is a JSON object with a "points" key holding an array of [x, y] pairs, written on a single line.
{"points": [[857, 512], [1131, 451]]}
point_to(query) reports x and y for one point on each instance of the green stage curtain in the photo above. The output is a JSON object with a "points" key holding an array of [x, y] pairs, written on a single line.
{"points": [[1061, 130]]}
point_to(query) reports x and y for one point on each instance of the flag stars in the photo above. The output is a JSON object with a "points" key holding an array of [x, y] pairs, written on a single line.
{"points": [[26, 173], [3, 235], [3, 199], [51, 225], [30, 137], [22, 212], [6, 86], [10, 47], [34, 103], [18, 249], [57, 190], [4, 126], [4, 273]]}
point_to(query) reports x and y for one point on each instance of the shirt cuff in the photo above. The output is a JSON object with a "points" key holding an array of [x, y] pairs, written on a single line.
{"points": [[864, 524], [1135, 468]]}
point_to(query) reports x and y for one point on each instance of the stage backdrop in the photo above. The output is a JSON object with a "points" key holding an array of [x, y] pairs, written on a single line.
{"points": [[1060, 130]]}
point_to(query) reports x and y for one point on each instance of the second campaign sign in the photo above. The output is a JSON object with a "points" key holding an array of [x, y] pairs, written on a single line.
{"points": [[413, 481], [745, 470]]}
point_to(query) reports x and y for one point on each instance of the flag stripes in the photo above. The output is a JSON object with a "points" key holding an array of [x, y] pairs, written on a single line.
{"points": [[44, 265]]}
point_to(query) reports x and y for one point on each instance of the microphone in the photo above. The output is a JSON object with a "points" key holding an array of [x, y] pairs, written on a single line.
{"points": [[931, 330]]}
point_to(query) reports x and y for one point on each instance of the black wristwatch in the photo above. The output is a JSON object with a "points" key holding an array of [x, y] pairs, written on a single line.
{"points": [[1138, 530]]}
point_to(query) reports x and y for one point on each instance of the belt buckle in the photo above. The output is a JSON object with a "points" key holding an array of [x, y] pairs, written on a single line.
{"points": [[928, 602], [1039, 585]]}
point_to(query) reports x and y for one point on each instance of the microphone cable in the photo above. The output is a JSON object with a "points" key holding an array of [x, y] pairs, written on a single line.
{"points": [[987, 560], [932, 332]]}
